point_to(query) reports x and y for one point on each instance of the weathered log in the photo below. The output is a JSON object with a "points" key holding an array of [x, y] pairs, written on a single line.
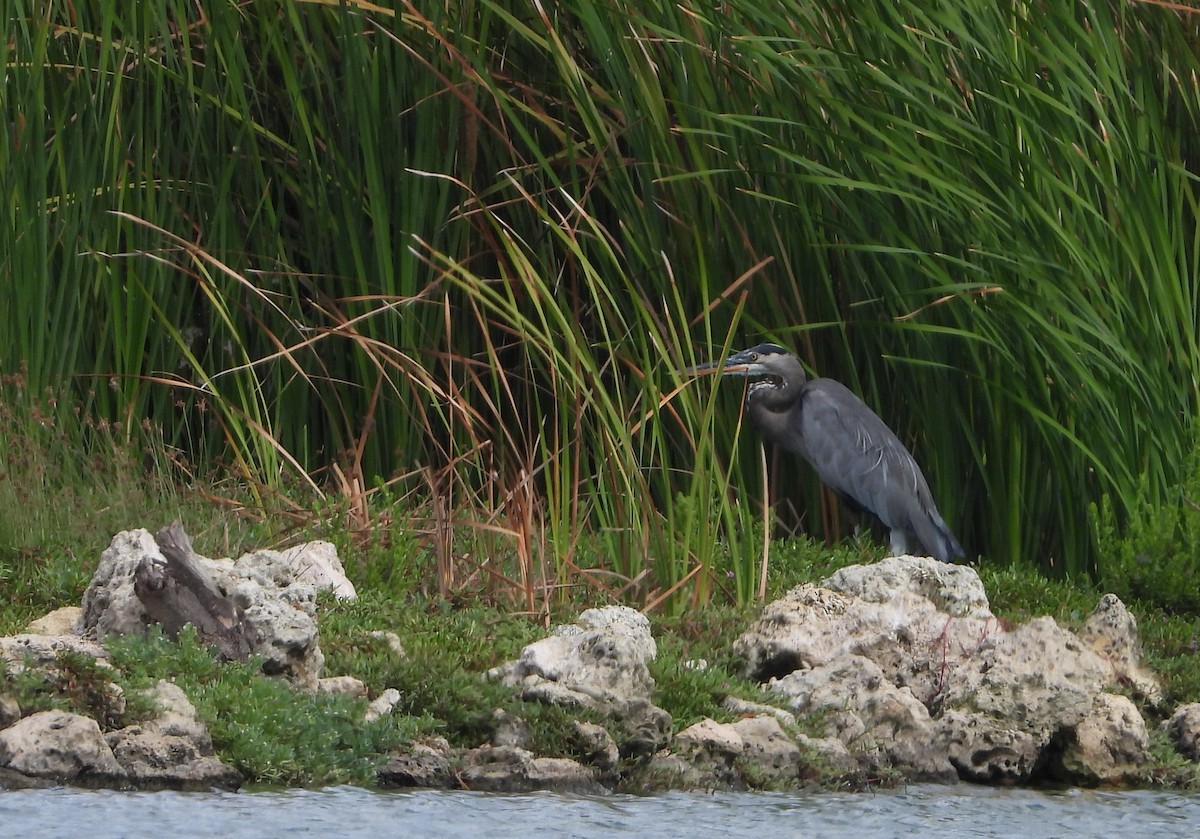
{"points": [[179, 591]]}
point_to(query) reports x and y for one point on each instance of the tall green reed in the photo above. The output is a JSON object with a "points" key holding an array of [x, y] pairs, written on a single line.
{"points": [[469, 244]]}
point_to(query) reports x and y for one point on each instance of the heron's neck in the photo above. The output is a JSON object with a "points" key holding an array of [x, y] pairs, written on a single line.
{"points": [[772, 410], [767, 395]]}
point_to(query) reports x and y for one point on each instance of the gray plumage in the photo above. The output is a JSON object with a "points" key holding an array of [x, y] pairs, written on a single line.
{"points": [[853, 451]]}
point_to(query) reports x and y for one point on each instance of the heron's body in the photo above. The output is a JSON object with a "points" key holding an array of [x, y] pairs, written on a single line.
{"points": [[848, 445]]}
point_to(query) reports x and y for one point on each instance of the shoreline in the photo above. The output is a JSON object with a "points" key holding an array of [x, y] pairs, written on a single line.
{"points": [[805, 693]]}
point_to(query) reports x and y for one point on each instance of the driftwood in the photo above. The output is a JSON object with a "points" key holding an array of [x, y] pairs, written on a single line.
{"points": [[179, 592]]}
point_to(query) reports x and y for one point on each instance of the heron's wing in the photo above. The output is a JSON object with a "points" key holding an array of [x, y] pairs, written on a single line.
{"points": [[856, 454]]}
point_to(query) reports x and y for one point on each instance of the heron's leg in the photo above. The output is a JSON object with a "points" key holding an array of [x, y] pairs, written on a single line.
{"points": [[899, 542]]}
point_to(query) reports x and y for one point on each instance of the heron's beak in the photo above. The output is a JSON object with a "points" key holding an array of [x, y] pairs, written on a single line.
{"points": [[736, 365]]}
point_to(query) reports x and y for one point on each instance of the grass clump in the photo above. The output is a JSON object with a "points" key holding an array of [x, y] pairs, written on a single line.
{"points": [[78, 684], [798, 560], [695, 669], [1171, 649], [440, 676], [1151, 556], [1020, 592], [272, 733]]}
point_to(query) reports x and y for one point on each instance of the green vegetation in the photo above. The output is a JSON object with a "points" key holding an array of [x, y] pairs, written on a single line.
{"points": [[79, 685], [1153, 558], [1171, 769], [1152, 561], [272, 733], [446, 650]]}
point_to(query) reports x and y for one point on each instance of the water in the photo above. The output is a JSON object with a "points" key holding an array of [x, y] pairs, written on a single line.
{"points": [[958, 811]]}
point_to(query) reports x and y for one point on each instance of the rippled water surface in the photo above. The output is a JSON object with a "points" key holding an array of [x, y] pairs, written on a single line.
{"points": [[350, 812]]}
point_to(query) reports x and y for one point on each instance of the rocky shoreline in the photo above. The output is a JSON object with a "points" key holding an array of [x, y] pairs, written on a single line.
{"points": [[896, 671]]}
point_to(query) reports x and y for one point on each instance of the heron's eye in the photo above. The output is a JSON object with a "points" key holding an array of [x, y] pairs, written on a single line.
{"points": [[754, 356]]}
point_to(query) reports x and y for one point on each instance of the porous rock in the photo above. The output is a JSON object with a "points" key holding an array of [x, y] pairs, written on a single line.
{"points": [[751, 752], [905, 635], [953, 589], [596, 746], [711, 740], [512, 769], [426, 764], [702, 756], [794, 632], [985, 752], [12, 779], [62, 747], [599, 662], [67, 620], [390, 640], [283, 624], [744, 707], [1110, 745], [274, 593], [1003, 705], [173, 750], [342, 686], [510, 730], [600, 658], [110, 606], [1018, 692], [826, 758], [1184, 729], [382, 705], [43, 651], [312, 563], [43, 654], [641, 727], [10, 710], [1111, 631], [769, 755], [881, 724]]}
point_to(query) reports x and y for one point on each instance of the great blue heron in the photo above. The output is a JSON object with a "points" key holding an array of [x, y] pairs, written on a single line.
{"points": [[851, 448]]}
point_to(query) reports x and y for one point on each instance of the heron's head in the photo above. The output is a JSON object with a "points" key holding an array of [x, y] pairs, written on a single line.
{"points": [[774, 365]]}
